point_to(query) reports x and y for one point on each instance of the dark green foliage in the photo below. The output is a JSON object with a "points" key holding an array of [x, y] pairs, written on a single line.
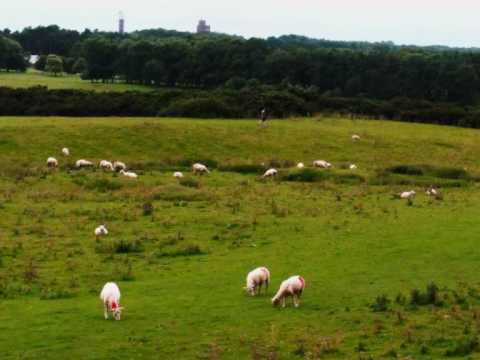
{"points": [[119, 246], [314, 175], [102, 185], [381, 303], [463, 347], [429, 297], [428, 170], [147, 209], [188, 249], [189, 182], [243, 168]]}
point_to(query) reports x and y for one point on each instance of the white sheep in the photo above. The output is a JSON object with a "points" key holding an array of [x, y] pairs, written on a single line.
{"points": [[178, 175], [66, 152], [52, 162], [199, 169], [83, 163], [431, 191], [255, 279], [270, 173], [353, 167], [322, 164], [100, 231], [293, 287], [300, 165], [409, 195], [118, 166], [106, 165], [110, 297], [355, 137], [129, 174]]}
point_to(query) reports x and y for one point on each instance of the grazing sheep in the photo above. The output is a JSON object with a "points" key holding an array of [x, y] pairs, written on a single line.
{"points": [[300, 165], [409, 195], [293, 287], [355, 137], [100, 231], [83, 163], [432, 192], [353, 167], [52, 162], [106, 165], [110, 297], [255, 279], [199, 169], [118, 166], [178, 175], [129, 174], [270, 173], [66, 152], [322, 164]]}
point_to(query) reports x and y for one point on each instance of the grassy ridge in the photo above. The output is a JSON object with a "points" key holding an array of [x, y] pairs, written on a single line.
{"points": [[37, 78], [352, 243]]}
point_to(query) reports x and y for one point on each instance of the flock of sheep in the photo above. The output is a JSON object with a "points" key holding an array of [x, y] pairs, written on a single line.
{"points": [[291, 287]]}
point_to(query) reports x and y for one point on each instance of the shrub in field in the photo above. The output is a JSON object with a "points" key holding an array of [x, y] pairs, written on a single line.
{"points": [[188, 249], [147, 209], [189, 182], [305, 175], [243, 168], [429, 297], [30, 272], [463, 347], [381, 303], [119, 246]]}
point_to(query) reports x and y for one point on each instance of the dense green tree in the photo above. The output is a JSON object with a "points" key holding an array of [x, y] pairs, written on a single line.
{"points": [[54, 64], [80, 66]]}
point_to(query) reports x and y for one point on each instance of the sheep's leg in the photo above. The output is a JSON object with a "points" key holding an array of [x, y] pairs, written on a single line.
{"points": [[283, 302], [295, 301], [105, 311], [266, 287]]}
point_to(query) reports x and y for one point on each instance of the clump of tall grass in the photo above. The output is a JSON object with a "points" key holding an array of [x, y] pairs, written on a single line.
{"points": [[188, 249]]}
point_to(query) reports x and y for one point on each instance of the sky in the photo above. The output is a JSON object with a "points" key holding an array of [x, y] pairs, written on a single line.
{"points": [[420, 22]]}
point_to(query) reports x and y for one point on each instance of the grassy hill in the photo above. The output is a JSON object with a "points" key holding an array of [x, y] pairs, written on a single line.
{"points": [[37, 78], [180, 251]]}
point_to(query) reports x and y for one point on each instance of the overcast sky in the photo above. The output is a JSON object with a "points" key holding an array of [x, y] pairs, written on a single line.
{"points": [[422, 22]]}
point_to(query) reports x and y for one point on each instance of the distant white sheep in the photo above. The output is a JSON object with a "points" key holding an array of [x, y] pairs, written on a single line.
{"points": [[322, 164], [300, 165], [52, 162], [129, 174], [199, 169], [106, 165], [118, 166], [355, 137], [66, 152], [353, 167], [270, 173], [408, 195], [110, 297], [178, 175], [431, 191], [83, 163], [293, 287], [100, 231], [255, 279]]}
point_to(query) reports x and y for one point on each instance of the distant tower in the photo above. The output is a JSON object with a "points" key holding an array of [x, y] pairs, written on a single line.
{"points": [[121, 23], [202, 27]]}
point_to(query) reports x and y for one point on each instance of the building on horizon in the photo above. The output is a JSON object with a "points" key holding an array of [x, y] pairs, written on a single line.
{"points": [[121, 24], [203, 28]]}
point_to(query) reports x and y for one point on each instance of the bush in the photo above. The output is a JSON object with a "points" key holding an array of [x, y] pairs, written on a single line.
{"points": [[185, 250], [429, 297], [243, 168], [119, 246], [463, 347], [305, 175], [189, 182], [381, 304], [147, 209]]}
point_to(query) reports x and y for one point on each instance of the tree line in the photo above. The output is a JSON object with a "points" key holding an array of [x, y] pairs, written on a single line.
{"points": [[11, 55]]}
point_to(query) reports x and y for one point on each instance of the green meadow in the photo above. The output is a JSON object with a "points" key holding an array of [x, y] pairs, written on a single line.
{"points": [[180, 250]]}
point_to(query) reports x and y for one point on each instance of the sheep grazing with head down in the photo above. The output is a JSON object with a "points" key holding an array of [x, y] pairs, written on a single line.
{"points": [[408, 195], [178, 175], [83, 163], [100, 231], [199, 169], [110, 297], [52, 162], [355, 137], [66, 152], [293, 287], [300, 165], [322, 164], [270, 173], [353, 167], [255, 279], [118, 166], [129, 174], [106, 165]]}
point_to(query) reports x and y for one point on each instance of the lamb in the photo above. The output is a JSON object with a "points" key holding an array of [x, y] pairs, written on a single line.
{"points": [[129, 174], [409, 195], [100, 231], [199, 169], [66, 152], [83, 163], [178, 175], [106, 165], [110, 297], [52, 162], [355, 137], [270, 173], [118, 166], [255, 279], [300, 165], [322, 164], [293, 287], [432, 192], [353, 167]]}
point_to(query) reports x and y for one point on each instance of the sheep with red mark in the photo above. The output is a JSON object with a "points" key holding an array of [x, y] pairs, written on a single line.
{"points": [[293, 287], [110, 297]]}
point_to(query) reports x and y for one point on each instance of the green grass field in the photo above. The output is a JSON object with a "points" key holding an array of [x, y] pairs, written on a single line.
{"points": [[37, 78], [181, 267]]}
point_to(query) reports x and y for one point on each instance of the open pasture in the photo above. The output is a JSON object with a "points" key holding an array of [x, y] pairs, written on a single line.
{"points": [[180, 250]]}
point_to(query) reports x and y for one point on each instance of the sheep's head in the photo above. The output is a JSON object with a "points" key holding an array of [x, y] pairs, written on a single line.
{"points": [[250, 290], [275, 301], [117, 313]]}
